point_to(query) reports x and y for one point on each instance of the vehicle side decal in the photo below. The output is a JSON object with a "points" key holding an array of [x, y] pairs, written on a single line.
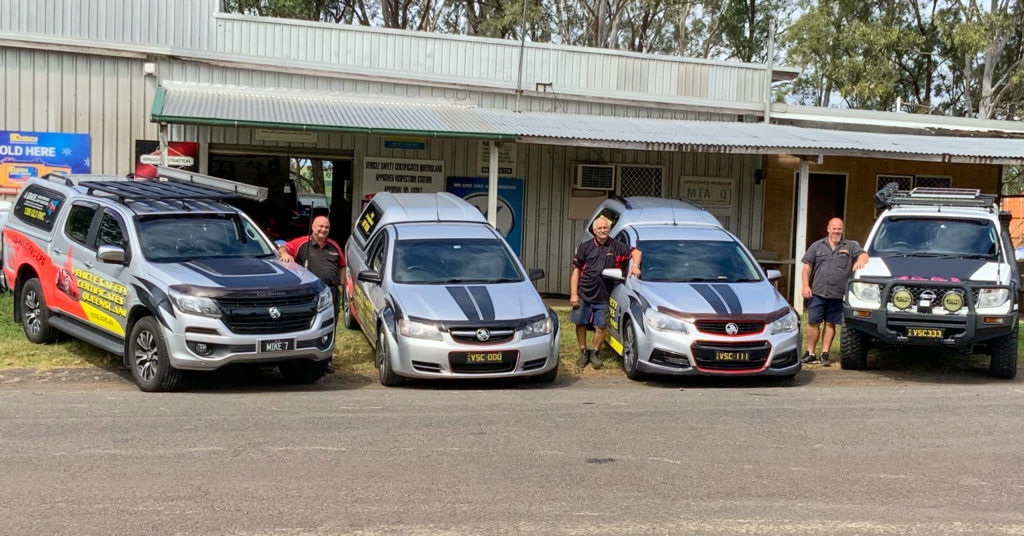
{"points": [[483, 302], [637, 306], [465, 302], [712, 298]]}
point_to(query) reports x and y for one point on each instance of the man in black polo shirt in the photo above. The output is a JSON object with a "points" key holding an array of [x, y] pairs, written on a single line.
{"points": [[589, 291], [320, 255]]}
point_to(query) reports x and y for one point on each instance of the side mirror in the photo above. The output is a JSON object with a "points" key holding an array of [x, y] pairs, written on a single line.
{"points": [[773, 275], [612, 273], [369, 276], [110, 254], [536, 273]]}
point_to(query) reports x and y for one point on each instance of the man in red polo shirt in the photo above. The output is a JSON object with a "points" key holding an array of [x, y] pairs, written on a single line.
{"points": [[320, 255]]}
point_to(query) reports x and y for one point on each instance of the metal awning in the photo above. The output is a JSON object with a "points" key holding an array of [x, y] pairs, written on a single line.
{"points": [[204, 104]]}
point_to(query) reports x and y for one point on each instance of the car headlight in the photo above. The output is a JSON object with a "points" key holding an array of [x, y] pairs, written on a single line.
{"points": [[867, 292], [325, 300], [196, 305], [419, 330], [993, 297], [662, 322], [543, 326], [786, 324]]}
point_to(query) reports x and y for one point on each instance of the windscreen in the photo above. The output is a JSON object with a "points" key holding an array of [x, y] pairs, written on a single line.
{"points": [[696, 260], [431, 262], [174, 239], [936, 237]]}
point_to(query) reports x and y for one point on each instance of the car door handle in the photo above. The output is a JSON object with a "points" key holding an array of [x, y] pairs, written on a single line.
{"points": [[87, 264], [57, 251]]}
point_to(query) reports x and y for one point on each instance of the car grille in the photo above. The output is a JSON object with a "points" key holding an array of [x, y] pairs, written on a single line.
{"points": [[718, 327], [251, 316], [704, 353], [468, 335]]}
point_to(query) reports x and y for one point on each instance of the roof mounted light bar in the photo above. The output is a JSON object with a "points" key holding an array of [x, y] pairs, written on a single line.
{"points": [[239, 189], [891, 196]]}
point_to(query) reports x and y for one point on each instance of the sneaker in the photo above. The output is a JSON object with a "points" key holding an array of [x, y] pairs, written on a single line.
{"points": [[808, 358], [584, 357], [595, 359], [824, 359]]}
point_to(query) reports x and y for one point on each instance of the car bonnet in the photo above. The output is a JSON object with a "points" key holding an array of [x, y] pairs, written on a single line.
{"points": [[472, 302], [726, 299]]}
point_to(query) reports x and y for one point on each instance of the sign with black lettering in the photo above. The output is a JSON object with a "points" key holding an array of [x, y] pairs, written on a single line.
{"points": [[401, 176]]}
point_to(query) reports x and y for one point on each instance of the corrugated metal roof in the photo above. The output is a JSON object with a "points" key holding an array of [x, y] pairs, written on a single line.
{"points": [[308, 110]]}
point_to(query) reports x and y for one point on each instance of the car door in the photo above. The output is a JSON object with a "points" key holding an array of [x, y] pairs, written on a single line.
{"points": [[369, 295], [70, 243], [618, 302], [106, 288]]}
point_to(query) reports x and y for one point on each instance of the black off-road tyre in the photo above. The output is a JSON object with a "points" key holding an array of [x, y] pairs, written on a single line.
{"points": [[630, 355], [35, 315], [388, 378], [147, 357], [303, 370], [347, 319], [854, 351], [1004, 356]]}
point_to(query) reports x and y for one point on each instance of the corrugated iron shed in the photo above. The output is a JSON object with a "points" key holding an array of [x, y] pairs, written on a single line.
{"points": [[188, 103]]}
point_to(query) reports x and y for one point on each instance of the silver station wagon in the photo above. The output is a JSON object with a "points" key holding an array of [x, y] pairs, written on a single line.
{"points": [[702, 305], [440, 294]]}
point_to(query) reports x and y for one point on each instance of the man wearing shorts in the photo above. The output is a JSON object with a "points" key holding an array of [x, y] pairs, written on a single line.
{"points": [[828, 264], [589, 291]]}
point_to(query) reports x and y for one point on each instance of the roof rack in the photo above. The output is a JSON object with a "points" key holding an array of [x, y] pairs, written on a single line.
{"points": [[150, 190], [239, 189], [891, 196]]}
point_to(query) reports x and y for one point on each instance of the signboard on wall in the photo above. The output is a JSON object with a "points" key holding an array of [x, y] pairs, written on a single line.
{"points": [[180, 154], [506, 158], [24, 155], [397, 175], [509, 221], [716, 194]]}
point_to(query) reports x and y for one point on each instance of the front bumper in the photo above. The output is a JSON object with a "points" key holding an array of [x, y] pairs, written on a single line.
{"points": [[694, 354], [957, 331], [421, 358], [188, 332]]}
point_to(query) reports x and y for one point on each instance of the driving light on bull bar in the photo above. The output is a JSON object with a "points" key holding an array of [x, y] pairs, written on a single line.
{"points": [[993, 297], [786, 324], [538, 328], [867, 292], [418, 330]]}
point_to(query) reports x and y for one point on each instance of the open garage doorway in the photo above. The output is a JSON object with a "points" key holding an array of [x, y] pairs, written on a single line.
{"points": [[300, 187]]}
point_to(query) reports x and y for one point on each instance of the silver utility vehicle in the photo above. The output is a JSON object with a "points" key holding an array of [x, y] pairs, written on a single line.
{"points": [[164, 273], [941, 274], [702, 305], [440, 294]]}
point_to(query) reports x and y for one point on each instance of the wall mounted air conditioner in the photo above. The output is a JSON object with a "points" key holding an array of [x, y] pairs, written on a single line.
{"points": [[594, 177]]}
